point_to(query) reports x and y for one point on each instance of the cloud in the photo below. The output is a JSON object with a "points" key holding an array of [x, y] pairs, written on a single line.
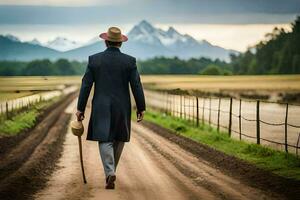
{"points": [[158, 11], [62, 2], [194, 6]]}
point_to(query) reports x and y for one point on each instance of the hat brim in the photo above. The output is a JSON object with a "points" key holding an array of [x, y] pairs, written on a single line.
{"points": [[104, 36]]}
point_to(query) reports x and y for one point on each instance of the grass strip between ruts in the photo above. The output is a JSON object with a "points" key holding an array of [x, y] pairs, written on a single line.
{"points": [[25, 119]]}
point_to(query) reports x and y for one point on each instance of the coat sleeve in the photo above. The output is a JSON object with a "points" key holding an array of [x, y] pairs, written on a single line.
{"points": [[86, 85], [136, 87]]}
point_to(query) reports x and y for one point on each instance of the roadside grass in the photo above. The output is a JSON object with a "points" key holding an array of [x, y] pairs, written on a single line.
{"points": [[24, 119], [18, 123], [286, 165]]}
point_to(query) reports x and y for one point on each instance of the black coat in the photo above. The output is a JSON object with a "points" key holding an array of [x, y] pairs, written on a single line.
{"points": [[111, 72]]}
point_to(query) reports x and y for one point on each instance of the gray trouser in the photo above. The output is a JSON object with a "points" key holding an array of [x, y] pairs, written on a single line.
{"points": [[110, 153]]}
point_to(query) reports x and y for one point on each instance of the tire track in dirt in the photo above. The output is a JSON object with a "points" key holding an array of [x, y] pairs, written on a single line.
{"points": [[25, 168], [200, 172], [274, 185]]}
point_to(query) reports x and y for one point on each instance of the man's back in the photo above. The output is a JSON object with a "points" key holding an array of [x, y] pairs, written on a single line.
{"points": [[111, 72]]}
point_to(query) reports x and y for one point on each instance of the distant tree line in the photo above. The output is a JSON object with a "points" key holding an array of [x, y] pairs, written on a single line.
{"points": [[43, 67], [158, 65], [279, 53], [163, 65]]}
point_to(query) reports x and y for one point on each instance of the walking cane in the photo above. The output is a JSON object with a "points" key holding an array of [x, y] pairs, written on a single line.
{"points": [[77, 129]]}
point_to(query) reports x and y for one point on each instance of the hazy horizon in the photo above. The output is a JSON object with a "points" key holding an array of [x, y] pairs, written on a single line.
{"points": [[248, 35]]}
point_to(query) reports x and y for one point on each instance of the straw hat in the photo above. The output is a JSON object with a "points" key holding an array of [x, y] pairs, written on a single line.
{"points": [[77, 127], [113, 34]]}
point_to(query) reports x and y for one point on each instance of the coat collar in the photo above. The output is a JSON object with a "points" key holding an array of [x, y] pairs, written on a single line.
{"points": [[113, 49]]}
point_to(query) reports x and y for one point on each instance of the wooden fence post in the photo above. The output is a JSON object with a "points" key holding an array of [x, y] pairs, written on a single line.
{"points": [[240, 119], [219, 107], [286, 127], [230, 118], [190, 114], [297, 147], [2, 114], [180, 106], [193, 113], [203, 111], [170, 106], [197, 112], [167, 95], [257, 123], [166, 103], [184, 112], [188, 109], [209, 117], [173, 105], [6, 110], [12, 106]]}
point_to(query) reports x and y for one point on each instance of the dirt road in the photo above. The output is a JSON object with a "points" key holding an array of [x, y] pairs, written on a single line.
{"points": [[151, 167]]}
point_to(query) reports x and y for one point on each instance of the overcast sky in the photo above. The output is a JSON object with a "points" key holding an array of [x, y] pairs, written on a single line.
{"points": [[286, 6], [218, 21], [62, 2], [159, 11]]}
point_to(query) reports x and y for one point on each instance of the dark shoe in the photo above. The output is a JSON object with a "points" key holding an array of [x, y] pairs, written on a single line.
{"points": [[110, 182]]}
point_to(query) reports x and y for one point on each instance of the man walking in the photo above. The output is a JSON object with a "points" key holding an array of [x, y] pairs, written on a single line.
{"points": [[111, 72]]}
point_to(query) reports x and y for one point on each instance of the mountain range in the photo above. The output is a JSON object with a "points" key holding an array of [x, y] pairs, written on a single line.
{"points": [[145, 41]]}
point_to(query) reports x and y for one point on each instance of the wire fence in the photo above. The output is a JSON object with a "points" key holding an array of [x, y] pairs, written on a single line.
{"points": [[10, 107], [268, 123]]}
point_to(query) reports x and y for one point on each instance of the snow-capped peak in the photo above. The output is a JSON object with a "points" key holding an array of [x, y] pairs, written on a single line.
{"points": [[171, 31], [35, 42], [12, 38], [146, 33], [62, 44], [146, 26]]}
